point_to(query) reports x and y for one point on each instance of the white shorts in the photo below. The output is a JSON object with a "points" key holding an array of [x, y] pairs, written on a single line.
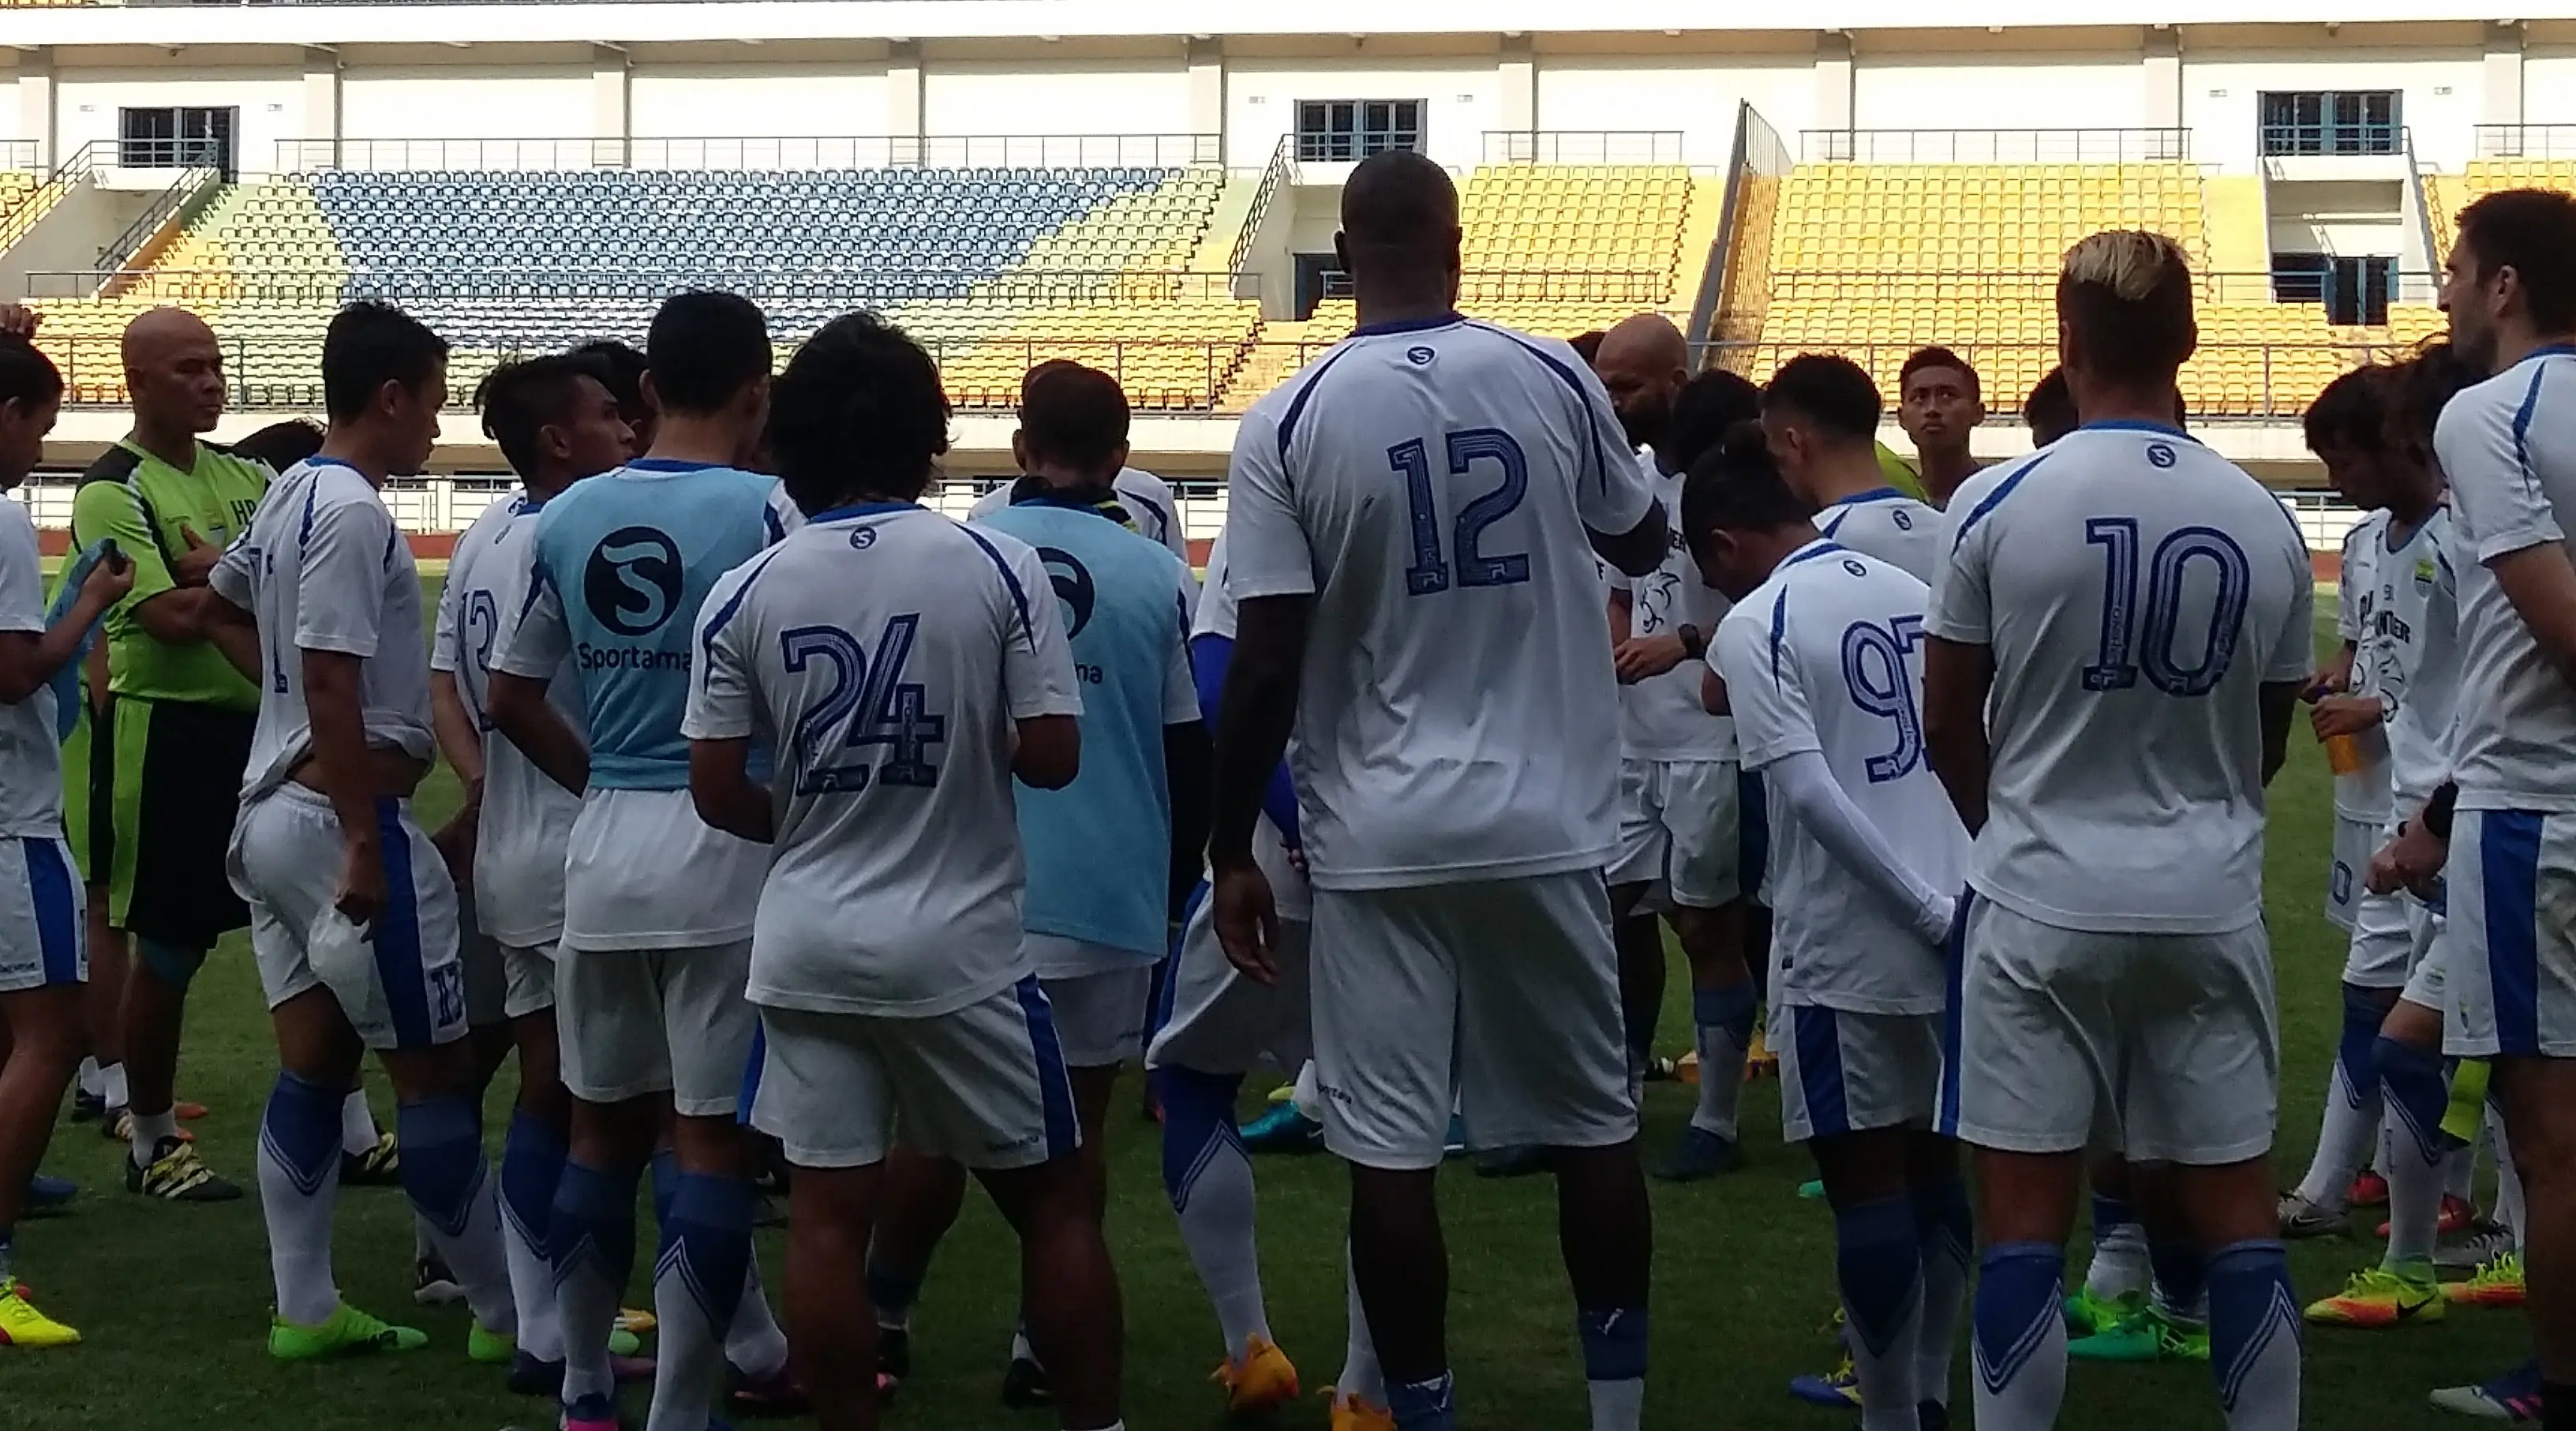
{"points": [[2165, 1048], [2430, 941], [2511, 986], [985, 1084], [2382, 950], [1678, 825], [634, 1022], [2355, 841], [1214, 1020], [502, 983], [1842, 1072], [43, 939], [1505, 991], [285, 864], [1100, 1018]]}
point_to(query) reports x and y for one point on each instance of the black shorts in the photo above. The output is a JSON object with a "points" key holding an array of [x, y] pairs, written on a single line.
{"points": [[165, 786]]}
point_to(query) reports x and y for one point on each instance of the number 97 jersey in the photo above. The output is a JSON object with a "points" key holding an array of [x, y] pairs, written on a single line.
{"points": [[2137, 591], [885, 651]]}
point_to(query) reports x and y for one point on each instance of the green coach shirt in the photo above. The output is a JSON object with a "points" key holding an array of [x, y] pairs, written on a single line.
{"points": [[142, 502]]}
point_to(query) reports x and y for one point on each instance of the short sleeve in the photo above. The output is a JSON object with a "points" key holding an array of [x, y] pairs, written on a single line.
{"points": [[781, 515], [1961, 607], [340, 585], [724, 684], [22, 575], [105, 510], [2481, 444], [1037, 658], [1765, 689], [1267, 553], [1614, 497], [535, 639], [2348, 591]]}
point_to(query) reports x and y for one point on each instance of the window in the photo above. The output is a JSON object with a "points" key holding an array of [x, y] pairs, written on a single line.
{"points": [[175, 138], [1330, 130], [2331, 122], [2352, 290]]}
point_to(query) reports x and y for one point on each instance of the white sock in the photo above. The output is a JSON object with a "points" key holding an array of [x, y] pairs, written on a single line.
{"points": [[1215, 1208], [2351, 1126], [476, 1254], [2119, 1262], [2459, 1172], [532, 1288], [1360, 1379], [2414, 1209], [2387, 1145], [357, 1124], [299, 1183], [688, 1382], [91, 1082], [1021, 1350], [755, 1347], [112, 1078], [2509, 1205], [1721, 1080], [1618, 1405], [148, 1133]]}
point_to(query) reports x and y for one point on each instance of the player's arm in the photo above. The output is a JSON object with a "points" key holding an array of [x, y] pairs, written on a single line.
{"points": [[1712, 691], [1623, 611], [524, 663], [31, 652], [172, 614], [1956, 679], [336, 630], [1188, 758], [1254, 717], [2284, 683], [1825, 810], [724, 701], [1038, 687], [1617, 503], [2483, 449], [1210, 656], [2542, 587], [460, 738]]}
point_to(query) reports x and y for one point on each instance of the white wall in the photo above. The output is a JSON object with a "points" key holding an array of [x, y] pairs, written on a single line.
{"points": [[2548, 86], [1131, 97], [1965, 91], [1693, 94], [461, 102], [271, 104], [737, 101], [1460, 101], [2221, 97]]}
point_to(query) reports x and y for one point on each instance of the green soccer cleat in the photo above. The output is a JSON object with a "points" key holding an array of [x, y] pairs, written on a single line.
{"points": [[485, 1347], [2150, 1335], [2087, 1314], [349, 1332]]}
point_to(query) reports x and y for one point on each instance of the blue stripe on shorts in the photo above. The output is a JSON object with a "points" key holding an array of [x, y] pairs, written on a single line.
{"points": [[1055, 1085], [2509, 863], [56, 897], [1820, 1071], [397, 936]]}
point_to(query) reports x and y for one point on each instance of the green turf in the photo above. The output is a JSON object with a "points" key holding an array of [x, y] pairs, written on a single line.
{"points": [[173, 1299]]}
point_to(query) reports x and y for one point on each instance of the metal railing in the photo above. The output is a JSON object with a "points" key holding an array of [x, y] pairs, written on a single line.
{"points": [[855, 285], [1622, 285], [879, 151], [1842, 285], [186, 193], [19, 154], [1280, 173], [1736, 275], [1994, 146], [2526, 141], [1583, 146], [2278, 380], [31, 210]]}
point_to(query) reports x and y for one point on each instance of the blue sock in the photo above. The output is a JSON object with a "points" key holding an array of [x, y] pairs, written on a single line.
{"points": [[2182, 1276], [697, 1285], [300, 1129], [1614, 1365], [2020, 1337], [2110, 1212], [2356, 1049], [1730, 1008], [2419, 1093], [666, 1186], [299, 1181], [1948, 1235], [592, 1241], [892, 1291], [1198, 1115], [532, 1167], [444, 1172], [2254, 1336], [1424, 1405], [1209, 1179], [1878, 1264]]}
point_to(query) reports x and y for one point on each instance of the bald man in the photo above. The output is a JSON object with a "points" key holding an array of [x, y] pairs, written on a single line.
{"points": [[167, 752]]}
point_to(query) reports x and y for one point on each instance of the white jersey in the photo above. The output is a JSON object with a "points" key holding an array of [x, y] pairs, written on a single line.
{"points": [[31, 754], [323, 568], [1887, 524], [2361, 794], [1661, 717], [1430, 485], [1215, 617], [1147, 498], [527, 818], [1827, 655], [2508, 446], [886, 651], [2420, 728], [2136, 590], [2407, 598]]}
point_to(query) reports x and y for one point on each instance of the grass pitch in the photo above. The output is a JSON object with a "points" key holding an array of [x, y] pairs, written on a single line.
{"points": [[173, 1300]]}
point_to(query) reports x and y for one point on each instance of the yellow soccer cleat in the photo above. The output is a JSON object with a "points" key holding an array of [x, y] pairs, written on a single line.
{"points": [[1260, 1383], [21, 1325], [2498, 1283], [1759, 1061], [2377, 1298], [1352, 1414]]}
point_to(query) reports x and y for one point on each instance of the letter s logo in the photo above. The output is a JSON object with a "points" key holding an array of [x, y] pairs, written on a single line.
{"points": [[632, 581]]}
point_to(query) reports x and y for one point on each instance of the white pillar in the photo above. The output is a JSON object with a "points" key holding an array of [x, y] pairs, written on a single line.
{"points": [[610, 118], [1207, 96], [903, 99], [36, 103]]}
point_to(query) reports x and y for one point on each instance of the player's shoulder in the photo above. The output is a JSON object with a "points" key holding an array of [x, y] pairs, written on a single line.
{"points": [[2496, 411], [238, 465], [1977, 499], [17, 521], [114, 467]]}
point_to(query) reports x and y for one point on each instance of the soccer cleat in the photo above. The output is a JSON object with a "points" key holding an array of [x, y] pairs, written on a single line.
{"points": [[894, 1352], [1261, 1382], [1759, 1061], [2514, 1396], [177, 1174], [2088, 1314], [485, 1347], [88, 1107], [2474, 1249], [47, 1193], [636, 1320], [2301, 1218], [118, 1127], [532, 1377], [592, 1413], [2150, 1335], [1281, 1128], [1350, 1413], [378, 1167], [349, 1332], [21, 1325], [2497, 1284], [2378, 1297], [1699, 1154], [2457, 1216], [1838, 1389], [1453, 1139], [777, 1394], [1025, 1384], [1812, 1190], [2369, 1189], [432, 1284]]}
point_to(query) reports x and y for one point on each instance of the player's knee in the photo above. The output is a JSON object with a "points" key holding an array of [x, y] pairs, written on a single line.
{"points": [[169, 963]]}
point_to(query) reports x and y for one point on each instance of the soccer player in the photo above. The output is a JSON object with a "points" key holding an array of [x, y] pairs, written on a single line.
{"points": [[353, 913], [1144, 501], [1104, 852], [1940, 402], [622, 367], [909, 676], [1456, 767], [658, 906], [2117, 641], [1820, 659], [2049, 411], [1678, 818], [42, 960], [1820, 414], [168, 753], [2509, 451], [555, 423]]}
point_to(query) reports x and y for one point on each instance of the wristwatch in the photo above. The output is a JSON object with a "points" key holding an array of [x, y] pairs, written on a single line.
{"points": [[1694, 645]]}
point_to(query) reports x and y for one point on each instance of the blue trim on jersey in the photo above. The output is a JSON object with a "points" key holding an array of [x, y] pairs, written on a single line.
{"points": [[1779, 630], [1820, 1071], [1297, 404], [1834, 527], [1582, 400], [857, 509], [1996, 497], [55, 897], [2551, 350], [397, 934], [2509, 862], [2522, 425], [1955, 973], [1161, 513], [769, 519], [2412, 533], [673, 464], [1070, 504], [733, 604], [1019, 598], [304, 529], [2132, 424], [1055, 1085], [1409, 325], [318, 460], [1874, 494], [1821, 546]]}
